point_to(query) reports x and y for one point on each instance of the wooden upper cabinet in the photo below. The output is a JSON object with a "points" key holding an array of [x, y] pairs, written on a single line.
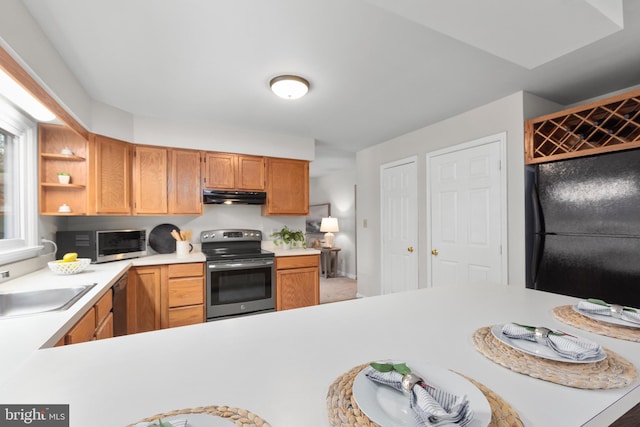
{"points": [[227, 171], [250, 171], [110, 167], [167, 181], [287, 187], [185, 196], [219, 171], [150, 180]]}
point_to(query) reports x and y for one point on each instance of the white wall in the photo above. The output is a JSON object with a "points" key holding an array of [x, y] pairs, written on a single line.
{"points": [[338, 189], [503, 115], [21, 37]]}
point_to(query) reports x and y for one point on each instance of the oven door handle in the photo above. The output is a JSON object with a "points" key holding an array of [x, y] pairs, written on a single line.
{"points": [[241, 264]]}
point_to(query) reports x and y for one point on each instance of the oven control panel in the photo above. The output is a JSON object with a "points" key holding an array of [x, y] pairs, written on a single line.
{"points": [[237, 235]]}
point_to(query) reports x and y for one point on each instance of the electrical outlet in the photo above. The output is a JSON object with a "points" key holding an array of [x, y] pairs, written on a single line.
{"points": [[365, 223]]}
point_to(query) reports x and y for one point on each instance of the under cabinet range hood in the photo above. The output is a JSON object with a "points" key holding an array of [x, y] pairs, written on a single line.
{"points": [[220, 197]]}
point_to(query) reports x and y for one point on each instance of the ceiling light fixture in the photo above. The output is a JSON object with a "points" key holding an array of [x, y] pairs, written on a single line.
{"points": [[23, 99], [289, 87]]}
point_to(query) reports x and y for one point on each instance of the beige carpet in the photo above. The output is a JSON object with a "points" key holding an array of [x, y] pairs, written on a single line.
{"points": [[337, 289]]}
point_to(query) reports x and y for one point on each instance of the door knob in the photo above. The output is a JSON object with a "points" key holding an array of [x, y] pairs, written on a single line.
{"points": [[410, 249], [434, 252]]}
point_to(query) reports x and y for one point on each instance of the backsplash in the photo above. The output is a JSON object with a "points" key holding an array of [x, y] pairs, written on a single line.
{"points": [[213, 217]]}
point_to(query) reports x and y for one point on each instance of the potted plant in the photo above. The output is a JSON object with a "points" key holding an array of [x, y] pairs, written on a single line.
{"points": [[63, 177], [288, 238]]}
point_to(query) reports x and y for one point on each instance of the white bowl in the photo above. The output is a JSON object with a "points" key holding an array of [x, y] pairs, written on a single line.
{"points": [[69, 267]]}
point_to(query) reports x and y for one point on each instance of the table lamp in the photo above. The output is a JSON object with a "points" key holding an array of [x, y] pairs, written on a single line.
{"points": [[329, 226]]}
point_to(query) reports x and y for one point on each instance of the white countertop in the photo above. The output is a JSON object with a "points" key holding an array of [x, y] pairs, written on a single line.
{"points": [[280, 365], [27, 334], [268, 245]]}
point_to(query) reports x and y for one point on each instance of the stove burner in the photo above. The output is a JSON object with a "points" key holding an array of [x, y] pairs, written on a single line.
{"points": [[233, 244]]}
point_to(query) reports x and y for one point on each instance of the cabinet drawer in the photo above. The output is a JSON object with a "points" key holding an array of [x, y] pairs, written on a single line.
{"points": [[83, 330], [183, 316], [104, 306], [185, 270], [285, 262], [105, 330], [186, 291]]}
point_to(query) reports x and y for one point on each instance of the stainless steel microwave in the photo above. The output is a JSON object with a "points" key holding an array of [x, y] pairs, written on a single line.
{"points": [[102, 245]]}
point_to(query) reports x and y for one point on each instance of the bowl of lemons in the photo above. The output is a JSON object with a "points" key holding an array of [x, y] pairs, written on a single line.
{"points": [[69, 264]]}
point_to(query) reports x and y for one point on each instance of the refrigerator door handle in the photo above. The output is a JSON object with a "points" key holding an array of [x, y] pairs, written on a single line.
{"points": [[538, 216], [536, 257]]}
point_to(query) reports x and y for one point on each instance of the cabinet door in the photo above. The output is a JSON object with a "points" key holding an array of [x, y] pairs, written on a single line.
{"points": [[143, 298], [150, 180], [219, 171], [105, 329], [298, 287], [287, 187], [84, 330], [250, 173], [185, 196], [111, 174]]}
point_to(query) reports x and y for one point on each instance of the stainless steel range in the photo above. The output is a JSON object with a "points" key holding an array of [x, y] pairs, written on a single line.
{"points": [[240, 274]]}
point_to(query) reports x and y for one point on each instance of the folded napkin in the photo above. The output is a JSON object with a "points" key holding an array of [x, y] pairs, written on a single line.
{"points": [[431, 406], [163, 423], [596, 306], [564, 345]]}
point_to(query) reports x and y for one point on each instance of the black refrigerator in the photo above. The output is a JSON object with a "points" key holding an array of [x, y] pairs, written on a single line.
{"points": [[583, 227]]}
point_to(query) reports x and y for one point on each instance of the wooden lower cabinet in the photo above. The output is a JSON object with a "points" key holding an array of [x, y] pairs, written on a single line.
{"points": [[297, 281], [183, 295], [143, 298], [96, 324], [165, 296]]}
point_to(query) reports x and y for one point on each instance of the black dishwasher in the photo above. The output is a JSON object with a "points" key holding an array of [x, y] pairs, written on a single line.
{"points": [[120, 306]]}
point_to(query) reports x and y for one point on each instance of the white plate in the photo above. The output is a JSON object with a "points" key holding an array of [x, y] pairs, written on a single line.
{"points": [[606, 319], [540, 350], [388, 407], [198, 420]]}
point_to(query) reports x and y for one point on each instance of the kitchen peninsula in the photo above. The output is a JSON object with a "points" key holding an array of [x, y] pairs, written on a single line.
{"points": [[280, 365]]}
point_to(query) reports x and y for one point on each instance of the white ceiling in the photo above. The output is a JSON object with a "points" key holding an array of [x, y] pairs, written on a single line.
{"points": [[378, 68]]}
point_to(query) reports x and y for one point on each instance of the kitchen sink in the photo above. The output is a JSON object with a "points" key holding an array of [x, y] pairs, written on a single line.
{"points": [[22, 303]]}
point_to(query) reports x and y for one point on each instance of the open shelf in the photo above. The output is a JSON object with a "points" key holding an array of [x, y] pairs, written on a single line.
{"points": [[63, 186], [608, 125], [67, 157], [52, 140]]}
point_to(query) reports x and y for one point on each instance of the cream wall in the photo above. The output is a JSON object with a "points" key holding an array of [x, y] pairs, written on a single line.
{"points": [[503, 115]]}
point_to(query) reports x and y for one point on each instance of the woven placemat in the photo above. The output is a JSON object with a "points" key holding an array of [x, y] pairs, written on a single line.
{"points": [[566, 314], [238, 416], [344, 412], [612, 372]]}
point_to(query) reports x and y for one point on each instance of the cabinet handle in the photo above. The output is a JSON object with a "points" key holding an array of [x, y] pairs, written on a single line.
{"points": [[410, 249], [434, 252]]}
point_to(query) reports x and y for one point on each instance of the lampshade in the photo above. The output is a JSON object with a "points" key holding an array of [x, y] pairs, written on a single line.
{"points": [[329, 225], [23, 99], [289, 87]]}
